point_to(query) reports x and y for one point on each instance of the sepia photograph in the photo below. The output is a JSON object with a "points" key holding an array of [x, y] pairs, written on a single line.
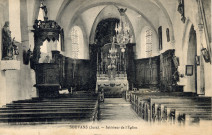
{"points": [[105, 67]]}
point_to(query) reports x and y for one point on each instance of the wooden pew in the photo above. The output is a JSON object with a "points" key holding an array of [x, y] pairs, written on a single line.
{"points": [[160, 112], [171, 104], [49, 110], [155, 108]]}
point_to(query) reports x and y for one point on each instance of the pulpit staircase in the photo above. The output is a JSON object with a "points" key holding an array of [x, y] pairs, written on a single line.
{"points": [[80, 106]]}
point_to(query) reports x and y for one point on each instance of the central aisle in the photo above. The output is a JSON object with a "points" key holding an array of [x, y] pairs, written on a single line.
{"points": [[117, 109]]}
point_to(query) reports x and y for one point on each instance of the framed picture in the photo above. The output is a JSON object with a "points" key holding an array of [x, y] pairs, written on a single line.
{"points": [[189, 70]]}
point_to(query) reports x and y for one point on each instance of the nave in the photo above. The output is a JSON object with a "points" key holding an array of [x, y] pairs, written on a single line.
{"points": [[119, 61], [80, 107], [117, 109], [85, 107]]}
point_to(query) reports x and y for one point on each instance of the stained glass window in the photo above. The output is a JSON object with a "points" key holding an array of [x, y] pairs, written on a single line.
{"points": [[76, 36], [148, 43]]}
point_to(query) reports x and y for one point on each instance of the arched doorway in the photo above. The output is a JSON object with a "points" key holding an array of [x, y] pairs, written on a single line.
{"points": [[191, 62]]}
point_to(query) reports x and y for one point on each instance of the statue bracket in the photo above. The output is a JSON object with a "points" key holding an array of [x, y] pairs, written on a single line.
{"points": [[10, 65]]}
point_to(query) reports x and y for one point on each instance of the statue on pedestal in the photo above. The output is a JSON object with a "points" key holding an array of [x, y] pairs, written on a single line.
{"points": [[9, 49]]}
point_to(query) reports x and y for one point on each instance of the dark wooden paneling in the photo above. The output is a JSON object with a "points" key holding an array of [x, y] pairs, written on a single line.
{"points": [[83, 75], [167, 69], [93, 49], [63, 73], [77, 74], [130, 65], [147, 72], [157, 71], [69, 68], [60, 60], [47, 73]]}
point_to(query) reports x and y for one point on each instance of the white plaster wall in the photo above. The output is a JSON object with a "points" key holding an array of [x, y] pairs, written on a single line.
{"points": [[17, 84], [163, 22], [4, 16], [208, 75], [89, 17], [14, 16], [181, 32], [53, 7]]}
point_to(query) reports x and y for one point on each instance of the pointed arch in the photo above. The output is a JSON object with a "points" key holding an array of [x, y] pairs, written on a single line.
{"points": [[84, 8], [114, 14]]}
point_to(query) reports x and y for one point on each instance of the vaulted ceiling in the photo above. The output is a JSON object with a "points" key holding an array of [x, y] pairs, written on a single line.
{"points": [[86, 13]]}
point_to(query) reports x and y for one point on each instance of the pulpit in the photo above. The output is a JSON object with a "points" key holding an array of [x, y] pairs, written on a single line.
{"points": [[49, 74], [47, 82]]}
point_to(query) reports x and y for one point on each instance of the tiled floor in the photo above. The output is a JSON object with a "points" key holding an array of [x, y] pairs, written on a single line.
{"points": [[117, 109]]}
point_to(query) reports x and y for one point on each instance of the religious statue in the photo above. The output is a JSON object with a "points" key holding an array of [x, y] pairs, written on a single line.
{"points": [[122, 11], [45, 11], [9, 48]]}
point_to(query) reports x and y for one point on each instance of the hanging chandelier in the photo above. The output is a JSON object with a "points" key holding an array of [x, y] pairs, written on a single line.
{"points": [[123, 35]]}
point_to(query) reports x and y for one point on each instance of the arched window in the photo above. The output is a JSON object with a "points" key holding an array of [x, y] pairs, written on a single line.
{"points": [[77, 43], [148, 43]]}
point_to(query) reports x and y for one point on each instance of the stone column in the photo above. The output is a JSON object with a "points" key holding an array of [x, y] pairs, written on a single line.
{"points": [[200, 68], [1, 25], [102, 72], [14, 19], [97, 63], [172, 43]]}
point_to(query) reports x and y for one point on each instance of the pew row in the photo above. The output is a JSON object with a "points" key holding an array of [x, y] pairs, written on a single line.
{"points": [[174, 107], [50, 111]]}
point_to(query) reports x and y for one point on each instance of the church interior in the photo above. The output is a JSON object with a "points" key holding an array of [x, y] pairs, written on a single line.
{"points": [[96, 60]]}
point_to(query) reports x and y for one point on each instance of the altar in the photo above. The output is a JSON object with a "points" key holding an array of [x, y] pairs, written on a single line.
{"points": [[112, 87], [113, 57], [111, 70]]}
